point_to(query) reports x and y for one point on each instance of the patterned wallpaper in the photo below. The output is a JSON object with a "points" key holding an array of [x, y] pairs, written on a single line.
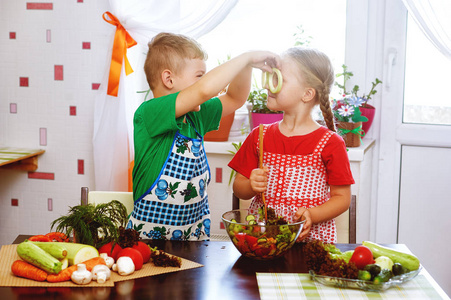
{"points": [[53, 56]]}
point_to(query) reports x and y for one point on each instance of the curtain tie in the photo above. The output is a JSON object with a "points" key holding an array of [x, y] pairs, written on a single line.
{"points": [[122, 41]]}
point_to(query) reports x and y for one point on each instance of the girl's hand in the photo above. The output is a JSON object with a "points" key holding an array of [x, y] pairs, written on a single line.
{"points": [[303, 214], [259, 179]]}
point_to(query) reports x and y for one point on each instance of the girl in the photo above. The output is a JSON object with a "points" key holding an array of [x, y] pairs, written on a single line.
{"points": [[306, 166]]}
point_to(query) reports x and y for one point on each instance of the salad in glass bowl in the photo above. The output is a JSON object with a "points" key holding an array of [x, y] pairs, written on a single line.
{"points": [[258, 237]]}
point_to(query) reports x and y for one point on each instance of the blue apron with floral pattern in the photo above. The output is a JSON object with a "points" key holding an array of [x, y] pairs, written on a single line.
{"points": [[176, 205]]}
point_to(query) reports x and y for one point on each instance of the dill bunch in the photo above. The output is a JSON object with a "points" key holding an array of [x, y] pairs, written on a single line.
{"points": [[93, 225]]}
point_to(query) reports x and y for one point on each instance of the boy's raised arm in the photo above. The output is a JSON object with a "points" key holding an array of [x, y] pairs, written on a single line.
{"points": [[236, 72]]}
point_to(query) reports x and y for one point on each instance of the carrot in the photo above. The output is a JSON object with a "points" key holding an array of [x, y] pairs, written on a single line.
{"points": [[65, 274], [23, 269]]}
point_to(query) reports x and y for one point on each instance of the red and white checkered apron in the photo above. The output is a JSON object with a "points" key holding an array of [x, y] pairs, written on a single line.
{"points": [[298, 181]]}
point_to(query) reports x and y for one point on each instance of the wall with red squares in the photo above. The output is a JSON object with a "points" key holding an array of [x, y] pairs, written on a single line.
{"points": [[53, 56]]}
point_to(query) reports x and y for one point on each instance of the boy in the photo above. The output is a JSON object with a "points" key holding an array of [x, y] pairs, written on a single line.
{"points": [[171, 171]]}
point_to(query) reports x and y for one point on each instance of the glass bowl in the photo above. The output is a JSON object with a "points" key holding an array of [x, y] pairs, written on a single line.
{"points": [[254, 239]]}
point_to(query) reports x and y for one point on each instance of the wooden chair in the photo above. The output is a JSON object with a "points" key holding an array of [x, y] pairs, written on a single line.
{"points": [[346, 222], [96, 197]]}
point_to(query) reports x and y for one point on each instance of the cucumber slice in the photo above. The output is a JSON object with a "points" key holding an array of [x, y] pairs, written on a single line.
{"points": [[250, 218]]}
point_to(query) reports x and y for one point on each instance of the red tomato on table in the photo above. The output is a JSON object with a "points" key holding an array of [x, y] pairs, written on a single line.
{"points": [[362, 256]]}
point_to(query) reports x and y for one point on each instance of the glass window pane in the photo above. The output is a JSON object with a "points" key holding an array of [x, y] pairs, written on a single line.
{"points": [[427, 80], [271, 25]]}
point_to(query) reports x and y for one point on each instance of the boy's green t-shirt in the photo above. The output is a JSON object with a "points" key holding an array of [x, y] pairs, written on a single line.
{"points": [[155, 127]]}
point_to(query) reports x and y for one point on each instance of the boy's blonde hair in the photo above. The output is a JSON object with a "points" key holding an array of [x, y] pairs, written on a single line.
{"points": [[169, 51], [318, 72]]}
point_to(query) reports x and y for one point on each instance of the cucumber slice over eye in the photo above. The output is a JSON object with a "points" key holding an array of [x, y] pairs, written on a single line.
{"points": [[276, 89], [268, 80]]}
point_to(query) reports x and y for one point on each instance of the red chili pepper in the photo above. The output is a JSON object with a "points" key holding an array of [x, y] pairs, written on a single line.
{"points": [[57, 237], [39, 238]]}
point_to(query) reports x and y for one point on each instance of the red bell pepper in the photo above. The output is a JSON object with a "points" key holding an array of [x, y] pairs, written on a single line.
{"points": [[39, 238]]}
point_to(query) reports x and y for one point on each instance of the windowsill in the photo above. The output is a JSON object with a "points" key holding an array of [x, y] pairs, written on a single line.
{"points": [[355, 154]]}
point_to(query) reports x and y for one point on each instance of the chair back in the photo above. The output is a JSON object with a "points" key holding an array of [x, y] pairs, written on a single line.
{"points": [[97, 197]]}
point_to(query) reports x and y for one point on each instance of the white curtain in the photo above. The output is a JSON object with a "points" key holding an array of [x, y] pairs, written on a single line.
{"points": [[434, 19], [113, 116]]}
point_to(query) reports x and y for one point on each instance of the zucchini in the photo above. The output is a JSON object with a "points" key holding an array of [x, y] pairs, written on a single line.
{"points": [[409, 261], [383, 276], [55, 249], [36, 256]]}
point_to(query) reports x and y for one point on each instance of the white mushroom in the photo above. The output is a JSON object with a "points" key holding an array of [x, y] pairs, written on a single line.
{"points": [[109, 261], [124, 266], [101, 273], [81, 275]]}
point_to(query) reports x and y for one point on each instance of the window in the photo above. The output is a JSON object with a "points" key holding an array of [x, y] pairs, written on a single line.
{"points": [[427, 80], [272, 25]]}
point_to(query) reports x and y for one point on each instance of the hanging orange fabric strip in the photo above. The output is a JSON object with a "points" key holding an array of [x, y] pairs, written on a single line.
{"points": [[122, 41]]}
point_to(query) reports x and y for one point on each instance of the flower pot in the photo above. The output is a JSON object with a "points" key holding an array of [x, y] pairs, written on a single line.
{"points": [[367, 111], [351, 133], [222, 134], [258, 118]]}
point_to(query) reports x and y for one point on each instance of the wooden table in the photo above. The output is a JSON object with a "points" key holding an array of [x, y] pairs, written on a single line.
{"points": [[225, 275]]}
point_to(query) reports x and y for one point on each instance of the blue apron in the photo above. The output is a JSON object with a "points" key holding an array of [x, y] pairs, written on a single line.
{"points": [[176, 206]]}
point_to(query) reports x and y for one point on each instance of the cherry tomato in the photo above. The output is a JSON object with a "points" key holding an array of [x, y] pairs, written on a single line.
{"points": [[362, 256]]}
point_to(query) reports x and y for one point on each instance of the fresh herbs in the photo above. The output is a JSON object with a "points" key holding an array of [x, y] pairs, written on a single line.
{"points": [[93, 225], [326, 259]]}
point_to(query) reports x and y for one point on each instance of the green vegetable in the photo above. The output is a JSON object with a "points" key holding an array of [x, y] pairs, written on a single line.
{"points": [[384, 262], [383, 276], [55, 249], [94, 225], [34, 255], [409, 261], [373, 269], [364, 275], [399, 269]]}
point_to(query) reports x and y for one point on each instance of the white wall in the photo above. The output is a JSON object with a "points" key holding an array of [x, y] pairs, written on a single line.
{"points": [[45, 38]]}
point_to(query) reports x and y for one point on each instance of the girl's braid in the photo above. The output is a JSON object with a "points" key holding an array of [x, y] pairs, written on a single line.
{"points": [[326, 110]]}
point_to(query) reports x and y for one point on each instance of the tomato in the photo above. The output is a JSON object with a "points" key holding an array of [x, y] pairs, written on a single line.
{"points": [[362, 256]]}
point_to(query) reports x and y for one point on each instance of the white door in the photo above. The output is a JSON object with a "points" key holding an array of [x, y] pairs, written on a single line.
{"points": [[414, 177]]}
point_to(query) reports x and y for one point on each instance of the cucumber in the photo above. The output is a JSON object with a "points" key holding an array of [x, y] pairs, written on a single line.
{"points": [[250, 218], [56, 250], [373, 269], [399, 269], [364, 275], [409, 261], [34, 255], [383, 276]]}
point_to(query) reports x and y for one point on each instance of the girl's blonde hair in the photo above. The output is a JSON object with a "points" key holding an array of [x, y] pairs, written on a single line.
{"points": [[318, 73], [169, 51]]}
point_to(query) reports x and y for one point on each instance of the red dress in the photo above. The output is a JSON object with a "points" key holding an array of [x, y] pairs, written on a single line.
{"points": [[300, 171]]}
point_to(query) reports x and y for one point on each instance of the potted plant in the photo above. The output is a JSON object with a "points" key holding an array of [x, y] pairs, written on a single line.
{"points": [[351, 104], [259, 112]]}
